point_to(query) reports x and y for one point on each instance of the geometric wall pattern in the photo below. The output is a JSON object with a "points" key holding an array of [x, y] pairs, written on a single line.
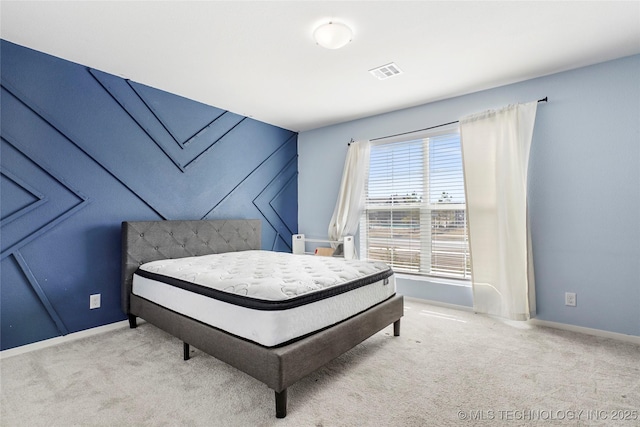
{"points": [[81, 151]]}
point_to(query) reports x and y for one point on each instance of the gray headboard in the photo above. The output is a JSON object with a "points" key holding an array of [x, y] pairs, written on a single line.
{"points": [[144, 241]]}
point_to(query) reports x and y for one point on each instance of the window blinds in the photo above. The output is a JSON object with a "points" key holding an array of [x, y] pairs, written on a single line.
{"points": [[415, 206]]}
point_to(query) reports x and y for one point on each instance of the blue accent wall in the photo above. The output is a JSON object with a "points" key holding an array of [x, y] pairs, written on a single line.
{"points": [[584, 188], [82, 151]]}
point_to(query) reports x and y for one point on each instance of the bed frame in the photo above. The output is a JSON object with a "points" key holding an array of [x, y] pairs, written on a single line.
{"points": [[277, 367]]}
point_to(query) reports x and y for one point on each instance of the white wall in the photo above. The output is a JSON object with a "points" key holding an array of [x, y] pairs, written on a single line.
{"points": [[584, 193]]}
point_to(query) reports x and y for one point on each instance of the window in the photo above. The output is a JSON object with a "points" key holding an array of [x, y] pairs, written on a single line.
{"points": [[415, 214]]}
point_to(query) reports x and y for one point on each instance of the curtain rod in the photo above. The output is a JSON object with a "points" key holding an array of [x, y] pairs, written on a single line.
{"points": [[545, 99]]}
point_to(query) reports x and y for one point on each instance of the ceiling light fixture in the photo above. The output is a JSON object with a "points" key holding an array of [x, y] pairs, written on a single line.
{"points": [[333, 35]]}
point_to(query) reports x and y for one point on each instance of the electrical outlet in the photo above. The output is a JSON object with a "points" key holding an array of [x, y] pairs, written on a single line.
{"points": [[94, 301], [570, 299]]}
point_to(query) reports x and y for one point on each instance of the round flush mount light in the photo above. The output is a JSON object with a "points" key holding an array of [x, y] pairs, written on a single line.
{"points": [[333, 35]]}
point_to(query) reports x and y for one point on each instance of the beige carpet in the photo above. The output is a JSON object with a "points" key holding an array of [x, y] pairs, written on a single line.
{"points": [[447, 368]]}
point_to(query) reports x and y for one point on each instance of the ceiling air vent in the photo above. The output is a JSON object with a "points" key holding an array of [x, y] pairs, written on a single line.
{"points": [[386, 71]]}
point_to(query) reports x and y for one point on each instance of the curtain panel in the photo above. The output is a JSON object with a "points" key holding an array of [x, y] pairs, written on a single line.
{"points": [[350, 203], [495, 152]]}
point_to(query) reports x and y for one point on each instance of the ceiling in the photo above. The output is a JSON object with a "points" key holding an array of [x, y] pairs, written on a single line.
{"points": [[258, 58]]}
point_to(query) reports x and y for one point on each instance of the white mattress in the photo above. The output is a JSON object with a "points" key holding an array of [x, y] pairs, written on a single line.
{"points": [[270, 298]]}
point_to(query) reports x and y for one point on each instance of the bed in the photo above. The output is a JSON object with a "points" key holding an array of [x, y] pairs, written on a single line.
{"points": [[278, 364]]}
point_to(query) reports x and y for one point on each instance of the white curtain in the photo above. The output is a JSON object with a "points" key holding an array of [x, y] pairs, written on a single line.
{"points": [[495, 150], [350, 202]]}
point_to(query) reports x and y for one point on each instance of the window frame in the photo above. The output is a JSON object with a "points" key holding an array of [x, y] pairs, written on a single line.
{"points": [[426, 208]]}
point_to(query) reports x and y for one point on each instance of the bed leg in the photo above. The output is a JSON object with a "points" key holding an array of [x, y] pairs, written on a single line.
{"points": [[281, 404], [132, 321], [396, 328], [185, 350]]}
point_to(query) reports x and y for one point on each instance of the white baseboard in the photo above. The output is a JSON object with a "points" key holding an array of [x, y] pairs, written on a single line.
{"points": [[119, 325], [634, 339], [440, 304], [589, 331], [63, 339]]}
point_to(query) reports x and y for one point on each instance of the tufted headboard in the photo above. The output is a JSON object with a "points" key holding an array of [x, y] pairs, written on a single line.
{"points": [[144, 241]]}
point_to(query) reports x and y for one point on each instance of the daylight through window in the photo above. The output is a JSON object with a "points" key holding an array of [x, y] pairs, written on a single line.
{"points": [[415, 216]]}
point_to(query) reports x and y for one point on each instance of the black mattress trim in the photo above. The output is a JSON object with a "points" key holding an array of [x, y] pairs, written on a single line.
{"points": [[267, 305]]}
